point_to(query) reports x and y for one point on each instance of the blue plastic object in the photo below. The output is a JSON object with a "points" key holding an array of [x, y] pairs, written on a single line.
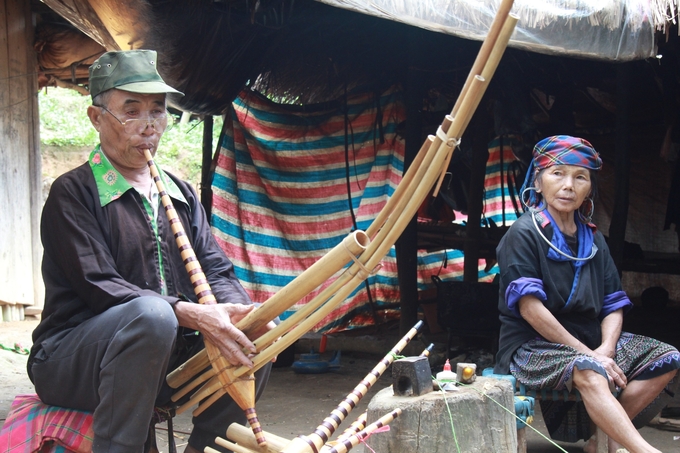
{"points": [[524, 409], [488, 372], [312, 364]]}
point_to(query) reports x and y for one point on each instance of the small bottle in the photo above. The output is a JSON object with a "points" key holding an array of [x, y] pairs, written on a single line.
{"points": [[446, 375]]}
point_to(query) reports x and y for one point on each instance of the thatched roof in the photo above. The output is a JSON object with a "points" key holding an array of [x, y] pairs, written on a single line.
{"points": [[304, 51]]}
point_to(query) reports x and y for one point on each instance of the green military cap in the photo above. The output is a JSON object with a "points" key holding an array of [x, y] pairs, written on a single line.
{"points": [[127, 70]]}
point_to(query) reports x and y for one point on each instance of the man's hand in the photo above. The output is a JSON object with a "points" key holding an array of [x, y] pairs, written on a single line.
{"points": [[216, 323]]}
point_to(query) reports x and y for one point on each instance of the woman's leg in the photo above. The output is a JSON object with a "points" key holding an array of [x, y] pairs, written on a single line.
{"points": [[606, 411], [639, 394]]}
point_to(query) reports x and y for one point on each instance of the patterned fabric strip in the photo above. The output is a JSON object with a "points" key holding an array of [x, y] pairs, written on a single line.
{"points": [[31, 424], [539, 364]]}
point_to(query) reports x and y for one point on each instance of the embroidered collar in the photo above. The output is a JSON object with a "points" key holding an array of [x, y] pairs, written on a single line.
{"points": [[111, 185]]}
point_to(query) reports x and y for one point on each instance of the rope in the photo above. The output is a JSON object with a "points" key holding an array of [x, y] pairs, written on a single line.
{"points": [[363, 273], [450, 141]]}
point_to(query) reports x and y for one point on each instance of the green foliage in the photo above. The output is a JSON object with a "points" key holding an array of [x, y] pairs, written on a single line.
{"points": [[63, 118], [64, 123]]}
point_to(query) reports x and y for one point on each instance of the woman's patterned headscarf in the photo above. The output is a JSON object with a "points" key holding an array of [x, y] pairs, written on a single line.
{"points": [[559, 150]]}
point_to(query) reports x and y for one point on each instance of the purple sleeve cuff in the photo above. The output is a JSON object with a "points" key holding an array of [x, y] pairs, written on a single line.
{"points": [[521, 287], [613, 302]]}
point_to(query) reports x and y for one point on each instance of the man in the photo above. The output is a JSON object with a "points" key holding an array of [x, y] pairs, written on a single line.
{"points": [[120, 311]]}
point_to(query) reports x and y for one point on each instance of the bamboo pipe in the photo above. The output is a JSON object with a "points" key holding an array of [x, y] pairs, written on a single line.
{"points": [[356, 426], [376, 250], [485, 50], [496, 54], [229, 445], [312, 277], [244, 437], [325, 430], [188, 369], [478, 66], [243, 391], [352, 441], [487, 72], [327, 266], [406, 182], [321, 298]]}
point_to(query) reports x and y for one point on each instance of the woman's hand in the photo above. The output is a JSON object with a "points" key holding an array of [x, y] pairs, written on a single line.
{"points": [[606, 350], [613, 371], [216, 323]]}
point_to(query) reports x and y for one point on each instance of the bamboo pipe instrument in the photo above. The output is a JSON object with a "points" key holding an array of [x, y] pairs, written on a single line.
{"points": [[312, 277], [325, 430], [442, 143], [243, 391], [477, 67], [347, 444], [200, 361]]}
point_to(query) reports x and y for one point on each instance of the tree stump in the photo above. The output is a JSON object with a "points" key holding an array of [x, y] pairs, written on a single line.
{"points": [[480, 425]]}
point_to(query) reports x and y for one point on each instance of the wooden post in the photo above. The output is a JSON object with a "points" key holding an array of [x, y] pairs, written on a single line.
{"points": [[480, 154], [206, 165], [407, 245], [35, 171], [617, 228]]}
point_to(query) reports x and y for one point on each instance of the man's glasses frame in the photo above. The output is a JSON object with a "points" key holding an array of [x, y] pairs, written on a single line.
{"points": [[132, 126]]}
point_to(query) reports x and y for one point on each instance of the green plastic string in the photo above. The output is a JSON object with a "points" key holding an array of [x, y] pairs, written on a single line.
{"points": [[514, 415], [396, 356], [448, 409], [17, 348]]}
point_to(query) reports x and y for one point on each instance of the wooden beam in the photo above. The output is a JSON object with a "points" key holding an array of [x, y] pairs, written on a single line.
{"points": [[473, 230], [114, 24], [407, 244], [123, 20], [85, 19]]}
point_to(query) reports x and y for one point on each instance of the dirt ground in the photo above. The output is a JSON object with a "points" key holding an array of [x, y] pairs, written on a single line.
{"points": [[293, 404]]}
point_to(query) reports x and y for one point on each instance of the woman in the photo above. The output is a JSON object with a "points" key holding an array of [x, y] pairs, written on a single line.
{"points": [[562, 306]]}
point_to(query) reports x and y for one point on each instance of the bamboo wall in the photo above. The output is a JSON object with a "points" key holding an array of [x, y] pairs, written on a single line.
{"points": [[20, 173]]}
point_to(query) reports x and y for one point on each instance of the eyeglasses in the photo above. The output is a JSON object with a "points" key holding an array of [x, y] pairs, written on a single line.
{"points": [[135, 126]]}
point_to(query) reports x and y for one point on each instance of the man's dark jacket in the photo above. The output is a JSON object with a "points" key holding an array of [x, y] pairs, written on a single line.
{"points": [[97, 257]]}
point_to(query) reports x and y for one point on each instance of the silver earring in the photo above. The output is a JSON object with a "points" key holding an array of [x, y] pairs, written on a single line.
{"points": [[587, 218], [524, 199]]}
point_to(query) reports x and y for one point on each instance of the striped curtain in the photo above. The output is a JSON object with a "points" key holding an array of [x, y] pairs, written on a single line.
{"points": [[501, 198], [291, 182]]}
